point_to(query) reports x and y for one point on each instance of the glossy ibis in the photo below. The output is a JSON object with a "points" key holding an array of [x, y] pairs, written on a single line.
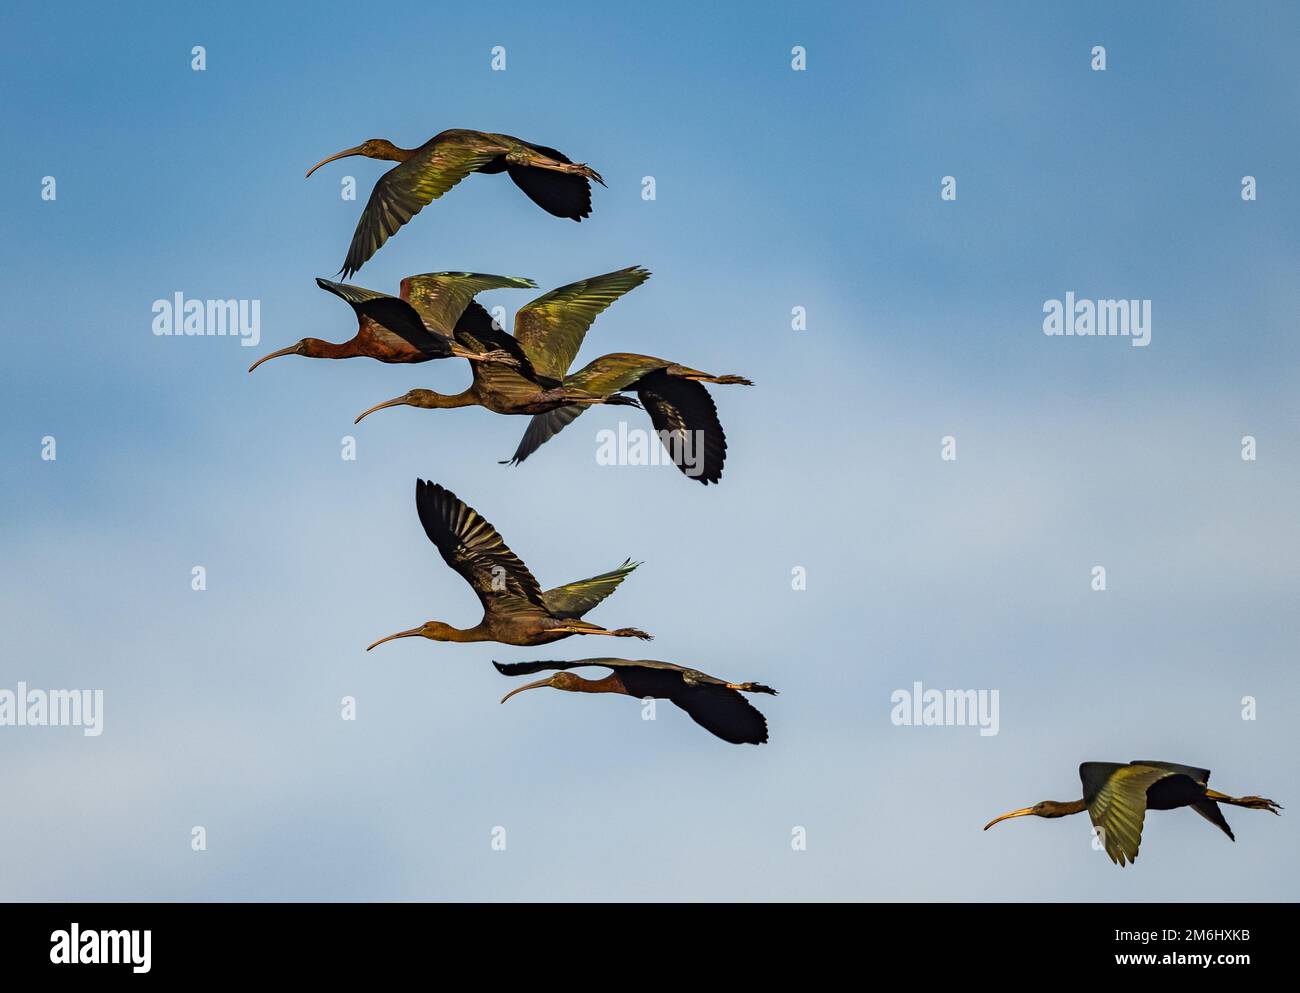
{"points": [[419, 325], [714, 704], [515, 609], [1117, 798], [548, 333], [423, 174]]}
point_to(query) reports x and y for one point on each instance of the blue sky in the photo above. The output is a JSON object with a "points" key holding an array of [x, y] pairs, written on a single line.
{"points": [[775, 189]]}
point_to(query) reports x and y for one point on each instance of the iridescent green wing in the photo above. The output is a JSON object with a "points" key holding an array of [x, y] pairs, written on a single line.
{"points": [[441, 297], [542, 428], [604, 376], [551, 328], [405, 190], [614, 372], [1116, 796], [575, 599]]}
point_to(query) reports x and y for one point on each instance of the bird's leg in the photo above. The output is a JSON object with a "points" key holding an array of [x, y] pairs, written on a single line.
{"points": [[616, 633], [1250, 802], [496, 355], [528, 157]]}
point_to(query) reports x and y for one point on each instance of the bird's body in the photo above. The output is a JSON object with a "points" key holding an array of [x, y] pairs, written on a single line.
{"points": [[516, 611], [716, 705], [548, 334], [1117, 796], [421, 324], [422, 175]]}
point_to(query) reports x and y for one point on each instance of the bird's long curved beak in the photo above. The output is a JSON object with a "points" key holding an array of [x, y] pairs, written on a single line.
{"points": [[1015, 813], [528, 686], [400, 634], [291, 350], [337, 155], [395, 402]]}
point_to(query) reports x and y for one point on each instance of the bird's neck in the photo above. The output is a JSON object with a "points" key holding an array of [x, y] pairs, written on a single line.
{"points": [[610, 684], [1065, 807], [443, 401], [478, 632], [318, 349], [394, 154]]}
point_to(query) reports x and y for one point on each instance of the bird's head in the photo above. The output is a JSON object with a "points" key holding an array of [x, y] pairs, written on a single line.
{"points": [[433, 630], [427, 399], [305, 347], [560, 681], [371, 148], [1044, 808]]}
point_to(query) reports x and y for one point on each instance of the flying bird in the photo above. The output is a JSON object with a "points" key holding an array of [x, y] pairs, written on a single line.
{"points": [[1117, 798], [420, 324], [516, 611], [714, 704], [549, 331], [548, 177]]}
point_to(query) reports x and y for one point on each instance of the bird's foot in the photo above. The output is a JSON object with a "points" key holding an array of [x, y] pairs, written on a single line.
{"points": [[632, 633], [1260, 803], [585, 171], [497, 355]]}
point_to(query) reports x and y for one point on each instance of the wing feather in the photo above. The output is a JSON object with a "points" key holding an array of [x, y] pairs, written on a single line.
{"points": [[552, 327], [472, 546], [442, 297], [403, 191], [392, 314], [575, 599], [1119, 804]]}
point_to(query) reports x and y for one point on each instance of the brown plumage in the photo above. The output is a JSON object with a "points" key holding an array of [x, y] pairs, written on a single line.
{"points": [[421, 324], [1118, 796], [548, 334], [516, 611], [424, 174], [716, 705]]}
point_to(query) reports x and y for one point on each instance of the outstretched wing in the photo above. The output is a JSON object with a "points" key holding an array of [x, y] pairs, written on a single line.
{"points": [[557, 193], [472, 546], [551, 328], [723, 712], [1199, 776], [602, 376], [391, 314], [709, 701], [1116, 796], [403, 191], [575, 599], [542, 428], [686, 420], [441, 297], [524, 668]]}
